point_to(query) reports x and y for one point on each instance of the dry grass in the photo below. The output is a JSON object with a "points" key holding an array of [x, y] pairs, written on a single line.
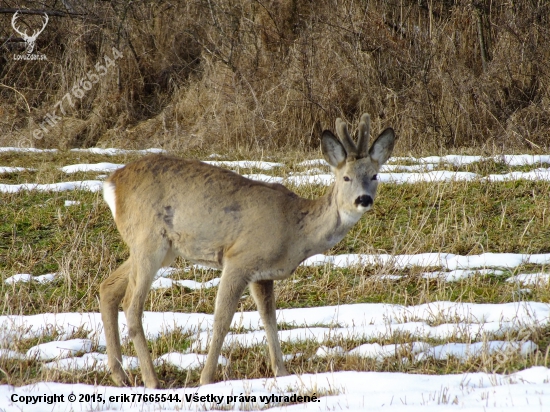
{"points": [[266, 75]]}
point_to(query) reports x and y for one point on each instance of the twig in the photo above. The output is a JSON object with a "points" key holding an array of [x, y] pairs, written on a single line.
{"points": [[19, 93], [57, 13]]}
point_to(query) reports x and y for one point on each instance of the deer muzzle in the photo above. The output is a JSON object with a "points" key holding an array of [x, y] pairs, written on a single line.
{"points": [[364, 200]]}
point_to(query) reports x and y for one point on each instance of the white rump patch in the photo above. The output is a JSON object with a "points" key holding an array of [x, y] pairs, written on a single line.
{"points": [[109, 195]]}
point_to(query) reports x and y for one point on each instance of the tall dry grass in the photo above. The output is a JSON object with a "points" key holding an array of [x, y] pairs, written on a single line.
{"points": [[269, 74]]}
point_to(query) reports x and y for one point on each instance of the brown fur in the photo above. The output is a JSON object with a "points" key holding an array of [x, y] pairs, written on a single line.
{"points": [[255, 232]]}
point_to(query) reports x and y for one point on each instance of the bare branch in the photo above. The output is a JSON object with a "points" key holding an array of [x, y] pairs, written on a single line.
{"points": [[57, 13]]}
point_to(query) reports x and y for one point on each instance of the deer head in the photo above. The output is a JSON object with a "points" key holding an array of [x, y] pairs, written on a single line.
{"points": [[30, 40], [355, 165]]}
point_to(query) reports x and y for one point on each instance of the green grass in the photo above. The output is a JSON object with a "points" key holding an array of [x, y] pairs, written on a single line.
{"points": [[39, 235]]}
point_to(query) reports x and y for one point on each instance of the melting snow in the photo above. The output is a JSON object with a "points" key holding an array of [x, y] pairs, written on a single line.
{"points": [[186, 360], [379, 352], [465, 351], [165, 283], [369, 321], [522, 160], [265, 178], [97, 167], [25, 277], [444, 260], [461, 160], [59, 349], [313, 162], [390, 173], [459, 274], [536, 174], [90, 361], [11, 354], [530, 278], [351, 391], [6, 169], [90, 185], [412, 168]]}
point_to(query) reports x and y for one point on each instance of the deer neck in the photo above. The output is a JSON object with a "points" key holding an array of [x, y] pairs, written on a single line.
{"points": [[325, 223]]}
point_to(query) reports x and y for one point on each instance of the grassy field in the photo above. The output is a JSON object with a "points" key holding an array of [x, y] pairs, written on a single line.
{"points": [[39, 235]]}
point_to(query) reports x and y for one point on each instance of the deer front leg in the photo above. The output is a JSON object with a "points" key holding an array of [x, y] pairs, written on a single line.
{"points": [[141, 277], [111, 292], [230, 290], [263, 295]]}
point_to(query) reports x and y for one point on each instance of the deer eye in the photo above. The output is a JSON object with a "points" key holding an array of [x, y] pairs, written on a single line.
{"points": [[346, 179], [375, 177]]}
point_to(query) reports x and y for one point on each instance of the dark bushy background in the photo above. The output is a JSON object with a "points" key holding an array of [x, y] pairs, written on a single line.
{"points": [[269, 74]]}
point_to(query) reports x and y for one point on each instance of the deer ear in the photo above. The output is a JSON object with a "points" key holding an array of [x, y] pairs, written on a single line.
{"points": [[382, 147], [333, 150]]}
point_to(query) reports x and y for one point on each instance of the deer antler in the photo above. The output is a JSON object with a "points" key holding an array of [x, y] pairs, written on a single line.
{"points": [[345, 138], [363, 135], [13, 20], [36, 33]]}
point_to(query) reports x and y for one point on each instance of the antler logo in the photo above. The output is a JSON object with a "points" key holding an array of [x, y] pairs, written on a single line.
{"points": [[30, 40]]}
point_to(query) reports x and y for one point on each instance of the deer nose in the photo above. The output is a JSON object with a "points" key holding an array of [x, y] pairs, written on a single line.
{"points": [[364, 201]]}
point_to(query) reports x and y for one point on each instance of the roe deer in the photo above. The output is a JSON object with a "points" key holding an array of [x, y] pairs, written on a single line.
{"points": [[255, 232]]}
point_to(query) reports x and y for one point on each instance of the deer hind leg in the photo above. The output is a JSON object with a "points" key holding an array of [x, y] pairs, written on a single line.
{"points": [[263, 295], [145, 264], [231, 287], [111, 292]]}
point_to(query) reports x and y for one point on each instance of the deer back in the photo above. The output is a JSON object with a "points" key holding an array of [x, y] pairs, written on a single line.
{"points": [[203, 210]]}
